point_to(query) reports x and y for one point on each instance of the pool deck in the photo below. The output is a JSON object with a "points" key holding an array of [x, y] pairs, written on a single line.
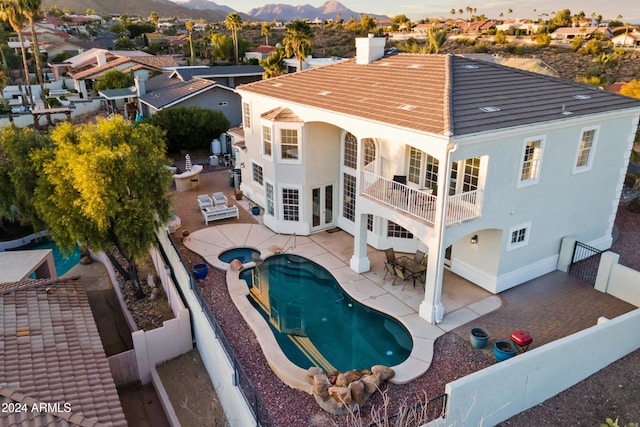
{"points": [[462, 301]]}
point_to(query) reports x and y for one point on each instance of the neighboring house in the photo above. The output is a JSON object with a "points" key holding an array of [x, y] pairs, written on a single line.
{"points": [[196, 92], [259, 52], [631, 39], [484, 167], [88, 67], [52, 357], [425, 28], [522, 26], [310, 62], [586, 33], [230, 76]]}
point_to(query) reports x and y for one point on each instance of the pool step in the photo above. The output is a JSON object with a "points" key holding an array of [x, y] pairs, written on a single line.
{"points": [[306, 346]]}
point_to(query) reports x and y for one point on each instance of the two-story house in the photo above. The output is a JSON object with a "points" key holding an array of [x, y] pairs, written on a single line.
{"points": [[484, 167]]}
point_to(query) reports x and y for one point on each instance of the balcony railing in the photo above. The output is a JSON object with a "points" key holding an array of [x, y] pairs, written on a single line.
{"points": [[420, 203]]}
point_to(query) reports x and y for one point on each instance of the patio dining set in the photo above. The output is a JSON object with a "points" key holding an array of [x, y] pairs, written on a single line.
{"points": [[405, 268]]}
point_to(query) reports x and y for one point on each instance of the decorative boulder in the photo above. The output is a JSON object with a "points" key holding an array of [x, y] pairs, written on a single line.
{"points": [[340, 394], [384, 372], [313, 371], [357, 392], [345, 378], [236, 265], [371, 383], [321, 386]]}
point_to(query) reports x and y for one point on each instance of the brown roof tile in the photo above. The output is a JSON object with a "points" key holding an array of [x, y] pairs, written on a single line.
{"points": [[47, 365]]}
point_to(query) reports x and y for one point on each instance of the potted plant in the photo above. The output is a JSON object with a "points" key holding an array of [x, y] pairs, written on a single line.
{"points": [[238, 194], [504, 350], [200, 270], [255, 209], [478, 337]]}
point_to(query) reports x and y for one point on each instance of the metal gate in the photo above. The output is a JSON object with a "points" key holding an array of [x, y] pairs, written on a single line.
{"points": [[584, 262]]}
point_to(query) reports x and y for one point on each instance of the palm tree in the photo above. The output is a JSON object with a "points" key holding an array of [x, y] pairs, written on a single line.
{"points": [[6, 108], [266, 32], [10, 12], [297, 41], [273, 64], [31, 9], [189, 27], [233, 22]]}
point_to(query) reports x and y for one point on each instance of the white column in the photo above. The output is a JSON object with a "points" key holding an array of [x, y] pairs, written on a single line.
{"points": [[360, 261]]}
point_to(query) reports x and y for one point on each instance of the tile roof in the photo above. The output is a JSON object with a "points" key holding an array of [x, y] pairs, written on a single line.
{"points": [[51, 353], [439, 94], [281, 114], [186, 73], [169, 95]]}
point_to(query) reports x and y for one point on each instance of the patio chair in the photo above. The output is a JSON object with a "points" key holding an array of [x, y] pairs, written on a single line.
{"points": [[419, 256], [219, 199], [204, 201], [401, 273], [390, 263]]}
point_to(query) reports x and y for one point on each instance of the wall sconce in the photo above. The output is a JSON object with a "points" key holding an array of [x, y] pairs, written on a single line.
{"points": [[242, 165], [474, 239]]}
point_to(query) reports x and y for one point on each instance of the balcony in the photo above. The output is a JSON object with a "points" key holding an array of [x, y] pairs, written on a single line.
{"points": [[421, 203]]}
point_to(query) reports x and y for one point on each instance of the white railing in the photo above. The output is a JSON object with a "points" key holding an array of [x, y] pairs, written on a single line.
{"points": [[420, 203], [402, 197], [464, 206]]}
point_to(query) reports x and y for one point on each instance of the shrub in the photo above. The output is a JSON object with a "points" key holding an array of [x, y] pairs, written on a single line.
{"points": [[481, 48], [53, 102], [514, 49]]}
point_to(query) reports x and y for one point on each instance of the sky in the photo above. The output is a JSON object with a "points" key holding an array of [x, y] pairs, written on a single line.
{"points": [[416, 9]]}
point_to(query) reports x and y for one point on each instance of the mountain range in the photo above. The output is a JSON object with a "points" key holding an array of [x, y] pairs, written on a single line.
{"points": [[206, 9]]}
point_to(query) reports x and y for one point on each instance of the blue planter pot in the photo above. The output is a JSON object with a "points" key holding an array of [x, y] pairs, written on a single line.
{"points": [[200, 271], [255, 210], [478, 337], [504, 350]]}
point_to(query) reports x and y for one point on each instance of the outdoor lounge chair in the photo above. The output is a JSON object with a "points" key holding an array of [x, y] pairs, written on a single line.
{"points": [[219, 199], [390, 263], [204, 201]]}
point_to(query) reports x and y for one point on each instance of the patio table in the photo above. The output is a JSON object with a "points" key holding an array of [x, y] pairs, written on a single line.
{"points": [[415, 269]]}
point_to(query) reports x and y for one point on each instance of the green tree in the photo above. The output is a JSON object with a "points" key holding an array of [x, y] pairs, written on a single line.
{"points": [[543, 39], [500, 37], [19, 175], [154, 18], [32, 9], [105, 185], [233, 22], [631, 89], [297, 40], [115, 79], [10, 11], [266, 31], [192, 56], [274, 64], [435, 40], [189, 128]]}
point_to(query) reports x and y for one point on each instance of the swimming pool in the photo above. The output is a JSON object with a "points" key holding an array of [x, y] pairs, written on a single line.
{"points": [[243, 253], [306, 307], [63, 262]]}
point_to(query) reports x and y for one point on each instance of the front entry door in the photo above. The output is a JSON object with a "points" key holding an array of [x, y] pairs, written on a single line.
{"points": [[322, 207]]}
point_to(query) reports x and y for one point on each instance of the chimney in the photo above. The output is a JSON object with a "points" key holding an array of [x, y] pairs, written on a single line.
{"points": [[369, 49], [141, 88], [101, 58]]}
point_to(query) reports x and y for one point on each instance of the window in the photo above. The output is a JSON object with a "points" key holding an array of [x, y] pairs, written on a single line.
{"points": [[531, 158], [415, 161], [518, 236], [266, 141], [453, 179], [369, 152], [370, 222], [349, 197], [246, 115], [471, 174], [350, 151], [585, 150], [431, 174], [257, 173], [290, 204], [394, 230], [268, 195], [289, 143]]}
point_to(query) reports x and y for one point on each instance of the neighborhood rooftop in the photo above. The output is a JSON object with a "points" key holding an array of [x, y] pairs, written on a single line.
{"points": [[440, 94]]}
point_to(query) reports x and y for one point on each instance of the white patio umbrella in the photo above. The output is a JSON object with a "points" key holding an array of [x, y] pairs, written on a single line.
{"points": [[187, 162]]}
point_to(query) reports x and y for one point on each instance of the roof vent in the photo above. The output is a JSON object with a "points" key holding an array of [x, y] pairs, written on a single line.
{"points": [[489, 109], [407, 107], [415, 66], [470, 66], [324, 93], [277, 84], [581, 96]]}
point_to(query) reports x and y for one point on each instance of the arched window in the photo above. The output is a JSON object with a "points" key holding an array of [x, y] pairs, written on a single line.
{"points": [[369, 152], [350, 151]]}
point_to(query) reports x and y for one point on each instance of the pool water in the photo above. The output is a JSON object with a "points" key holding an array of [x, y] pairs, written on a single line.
{"points": [[63, 261], [243, 254], [306, 307]]}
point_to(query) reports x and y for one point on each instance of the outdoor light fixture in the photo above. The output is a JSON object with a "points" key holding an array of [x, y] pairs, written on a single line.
{"points": [[474, 239]]}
